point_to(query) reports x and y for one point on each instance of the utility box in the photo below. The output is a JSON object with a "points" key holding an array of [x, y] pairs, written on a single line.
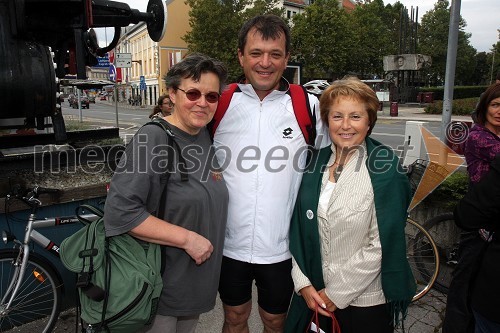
{"points": [[394, 109], [414, 146], [428, 97]]}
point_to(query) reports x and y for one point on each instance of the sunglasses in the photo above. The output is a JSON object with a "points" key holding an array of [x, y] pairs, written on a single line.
{"points": [[195, 94]]}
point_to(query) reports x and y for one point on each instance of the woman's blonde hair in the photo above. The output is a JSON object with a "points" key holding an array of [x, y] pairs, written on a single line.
{"points": [[352, 88]]}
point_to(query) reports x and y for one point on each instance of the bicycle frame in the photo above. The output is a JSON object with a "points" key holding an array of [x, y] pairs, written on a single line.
{"points": [[31, 235]]}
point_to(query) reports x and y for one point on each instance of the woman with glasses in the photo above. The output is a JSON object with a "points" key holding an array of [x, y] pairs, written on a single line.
{"points": [[163, 108], [183, 208]]}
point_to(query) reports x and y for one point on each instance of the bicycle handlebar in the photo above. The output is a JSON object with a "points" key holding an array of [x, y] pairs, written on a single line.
{"points": [[30, 195], [41, 190]]}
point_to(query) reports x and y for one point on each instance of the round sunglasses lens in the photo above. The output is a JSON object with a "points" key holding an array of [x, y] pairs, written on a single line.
{"points": [[212, 97], [193, 95]]}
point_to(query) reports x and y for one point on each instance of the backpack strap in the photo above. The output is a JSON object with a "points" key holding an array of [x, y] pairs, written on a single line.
{"points": [[94, 292], [158, 121], [222, 107], [302, 109]]}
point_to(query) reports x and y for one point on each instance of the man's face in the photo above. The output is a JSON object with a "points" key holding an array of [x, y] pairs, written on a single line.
{"points": [[263, 62]]}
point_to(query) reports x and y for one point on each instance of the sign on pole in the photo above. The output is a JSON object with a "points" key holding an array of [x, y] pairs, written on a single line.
{"points": [[142, 82], [102, 61], [123, 60], [112, 73]]}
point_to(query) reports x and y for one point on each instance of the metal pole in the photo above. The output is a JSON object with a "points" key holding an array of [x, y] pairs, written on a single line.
{"points": [[116, 105], [142, 91], [79, 104], [451, 62]]}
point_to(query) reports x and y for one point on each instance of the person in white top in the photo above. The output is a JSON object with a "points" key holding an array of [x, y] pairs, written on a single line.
{"points": [[347, 231], [262, 152]]}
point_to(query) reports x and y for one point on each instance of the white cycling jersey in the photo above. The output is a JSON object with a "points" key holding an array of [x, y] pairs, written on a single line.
{"points": [[262, 152]]}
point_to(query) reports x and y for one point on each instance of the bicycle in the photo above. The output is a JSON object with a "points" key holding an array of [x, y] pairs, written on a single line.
{"points": [[422, 257], [422, 251], [433, 247], [446, 235], [30, 286]]}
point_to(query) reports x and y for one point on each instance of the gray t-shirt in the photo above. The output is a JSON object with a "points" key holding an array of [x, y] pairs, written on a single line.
{"points": [[200, 205]]}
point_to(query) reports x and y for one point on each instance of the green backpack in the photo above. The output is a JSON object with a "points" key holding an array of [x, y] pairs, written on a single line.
{"points": [[119, 278]]}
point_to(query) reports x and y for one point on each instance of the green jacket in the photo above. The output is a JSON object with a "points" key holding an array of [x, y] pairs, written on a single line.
{"points": [[392, 197]]}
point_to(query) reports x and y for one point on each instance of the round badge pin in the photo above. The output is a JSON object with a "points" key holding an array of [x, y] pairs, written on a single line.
{"points": [[309, 214]]}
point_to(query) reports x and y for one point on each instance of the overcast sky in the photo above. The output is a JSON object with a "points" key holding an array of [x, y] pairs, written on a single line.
{"points": [[482, 22]]}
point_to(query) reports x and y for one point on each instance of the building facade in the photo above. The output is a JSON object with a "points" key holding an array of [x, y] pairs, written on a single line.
{"points": [[152, 60]]}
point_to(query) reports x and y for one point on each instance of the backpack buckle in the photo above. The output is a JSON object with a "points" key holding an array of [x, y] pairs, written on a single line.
{"points": [[89, 329], [83, 280]]}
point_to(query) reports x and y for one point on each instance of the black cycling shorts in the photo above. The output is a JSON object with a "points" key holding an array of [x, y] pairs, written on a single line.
{"points": [[274, 284]]}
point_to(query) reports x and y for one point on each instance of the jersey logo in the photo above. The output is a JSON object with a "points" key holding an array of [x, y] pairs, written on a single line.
{"points": [[305, 117], [287, 132]]}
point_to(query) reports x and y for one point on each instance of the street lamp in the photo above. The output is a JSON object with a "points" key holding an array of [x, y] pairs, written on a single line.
{"points": [[142, 74]]}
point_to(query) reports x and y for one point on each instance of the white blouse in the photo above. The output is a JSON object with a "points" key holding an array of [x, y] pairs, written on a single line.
{"points": [[351, 252]]}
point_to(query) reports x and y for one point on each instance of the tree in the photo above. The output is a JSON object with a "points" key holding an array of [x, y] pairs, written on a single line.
{"points": [[320, 40], [481, 74], [215, 25], [494, 61], [370, 38], [433, 37]]}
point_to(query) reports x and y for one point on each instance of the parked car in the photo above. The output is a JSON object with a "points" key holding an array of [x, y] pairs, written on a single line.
{"points": [[73, 101], [92, 99]]}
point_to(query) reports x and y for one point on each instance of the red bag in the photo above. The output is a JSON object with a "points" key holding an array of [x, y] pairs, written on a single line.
{"points": [[315, 321]]}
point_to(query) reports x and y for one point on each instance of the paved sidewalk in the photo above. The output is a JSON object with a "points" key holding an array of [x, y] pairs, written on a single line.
{"points": [[416, 112], [424, 316]]}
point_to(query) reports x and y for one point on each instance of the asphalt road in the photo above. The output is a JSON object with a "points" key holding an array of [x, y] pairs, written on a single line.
{"points": [[391, 132]]}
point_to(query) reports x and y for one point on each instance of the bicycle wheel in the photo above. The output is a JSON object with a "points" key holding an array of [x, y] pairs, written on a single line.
{"points": [[38, 298], [446, 235], [422, 257]]}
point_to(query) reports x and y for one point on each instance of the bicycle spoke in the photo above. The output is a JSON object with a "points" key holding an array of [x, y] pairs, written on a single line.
{"points": [[422, 257], [446, 234], [37, 299]]}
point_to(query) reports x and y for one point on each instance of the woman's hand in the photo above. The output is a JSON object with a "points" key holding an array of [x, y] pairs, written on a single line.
{"points": [[198, 247], [330, 306], [313, 300]]}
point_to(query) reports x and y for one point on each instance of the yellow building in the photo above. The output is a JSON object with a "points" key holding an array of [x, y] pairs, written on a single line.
{"points": [[153, 59]]}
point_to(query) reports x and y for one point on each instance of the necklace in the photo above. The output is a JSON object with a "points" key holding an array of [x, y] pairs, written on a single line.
{"points": [[338, 170]]}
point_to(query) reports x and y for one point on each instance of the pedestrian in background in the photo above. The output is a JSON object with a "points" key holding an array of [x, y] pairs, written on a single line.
{"points": [[262, 191], [162, 108], [347, 231], [481, 147], [480, 210], [193, 212]]}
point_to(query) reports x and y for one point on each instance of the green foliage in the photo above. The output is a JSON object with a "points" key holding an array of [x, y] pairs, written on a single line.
{"points": [[215, 25], [433, 37], [451, 190], [74, 125], [320, 39], [371, 38], [330, 42], [459, 92], [482, 70], [460, 107]]}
